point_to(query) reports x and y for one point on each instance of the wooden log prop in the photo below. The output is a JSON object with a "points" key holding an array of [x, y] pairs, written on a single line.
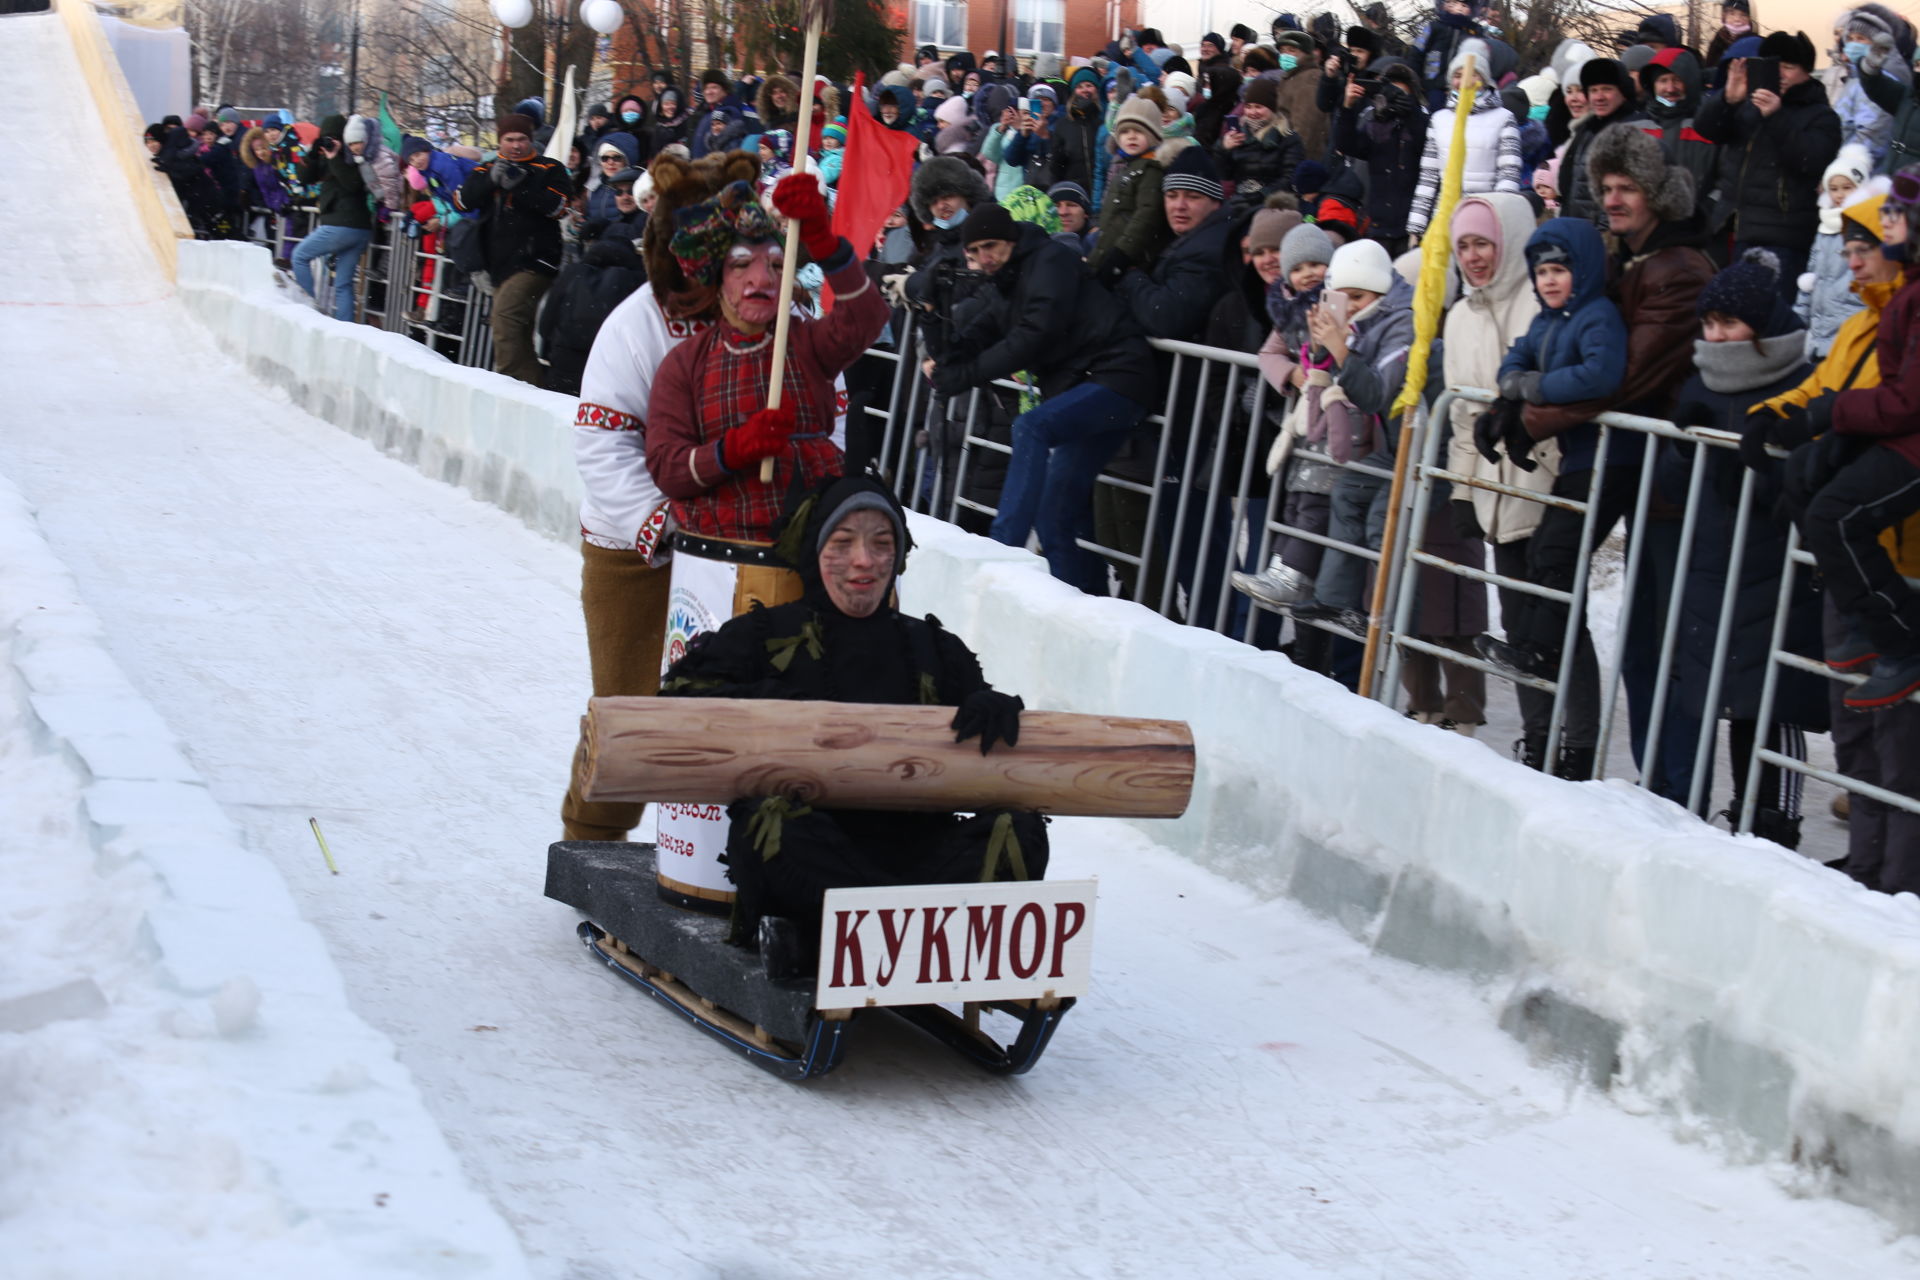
{"points": [[862, 756]]}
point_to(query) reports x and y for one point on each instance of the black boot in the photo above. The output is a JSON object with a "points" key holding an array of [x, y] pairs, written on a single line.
{"points": [[1895, 678], [1531, 751], [1772, 824], [1516, 659], [1576, 764]]}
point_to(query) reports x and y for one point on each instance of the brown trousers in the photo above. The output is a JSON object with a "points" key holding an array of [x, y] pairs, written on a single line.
{"points": [[516, 301], [625, 602]]}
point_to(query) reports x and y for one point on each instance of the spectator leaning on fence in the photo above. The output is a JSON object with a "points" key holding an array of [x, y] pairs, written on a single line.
{"points": [[521, 195], [343, 225], [1883, 749]]}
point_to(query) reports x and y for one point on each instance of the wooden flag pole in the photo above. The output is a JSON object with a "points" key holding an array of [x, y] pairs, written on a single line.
{"points": [[1390, 535], [801, 134]]}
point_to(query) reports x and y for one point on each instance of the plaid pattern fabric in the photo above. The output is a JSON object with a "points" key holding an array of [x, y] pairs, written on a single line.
{"points": [[733, 379]]}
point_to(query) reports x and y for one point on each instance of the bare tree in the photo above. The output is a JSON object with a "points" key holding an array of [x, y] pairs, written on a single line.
{"points": [[261, 53]]}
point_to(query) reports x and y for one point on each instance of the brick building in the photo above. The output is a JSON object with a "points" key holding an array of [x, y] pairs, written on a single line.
{"points": [[1023, 27]]}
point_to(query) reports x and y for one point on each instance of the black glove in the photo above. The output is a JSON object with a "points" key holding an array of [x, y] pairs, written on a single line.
{"points": [[1522, 386], [1465, 522], [1819, 415], [952, 377], [1112, 267], [1487, 430], [1753, 440], [508, 175], [1518, 441], [993, 715]]}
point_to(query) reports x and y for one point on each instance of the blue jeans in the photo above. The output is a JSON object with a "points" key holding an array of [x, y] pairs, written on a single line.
{"points": [[344, 245], [1058, 450]]}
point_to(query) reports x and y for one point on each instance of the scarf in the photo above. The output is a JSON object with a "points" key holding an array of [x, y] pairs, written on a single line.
{"points": [[1732, 367]]}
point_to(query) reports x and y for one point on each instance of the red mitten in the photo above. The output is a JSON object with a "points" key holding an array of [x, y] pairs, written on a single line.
{"points": [[762, 435], [797, 196]]}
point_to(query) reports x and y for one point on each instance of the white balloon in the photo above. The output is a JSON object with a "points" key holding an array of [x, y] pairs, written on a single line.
{"points": [[513, 13], [604, 16]]}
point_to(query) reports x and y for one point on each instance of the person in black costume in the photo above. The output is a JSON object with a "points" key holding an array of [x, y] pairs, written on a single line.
{"points": [[845, 641]]}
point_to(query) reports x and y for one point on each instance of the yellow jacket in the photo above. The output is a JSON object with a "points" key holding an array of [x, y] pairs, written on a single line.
{"points": [[1844, 367]]}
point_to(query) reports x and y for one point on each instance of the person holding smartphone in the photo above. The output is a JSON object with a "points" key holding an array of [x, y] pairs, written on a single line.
{"points": [[1775, 143]]}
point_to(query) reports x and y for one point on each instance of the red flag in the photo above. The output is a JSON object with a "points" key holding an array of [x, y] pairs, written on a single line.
{"points": [[874, 174]]}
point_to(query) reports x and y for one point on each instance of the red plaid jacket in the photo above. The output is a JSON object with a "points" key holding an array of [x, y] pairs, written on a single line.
{"points": [[710, 383]]}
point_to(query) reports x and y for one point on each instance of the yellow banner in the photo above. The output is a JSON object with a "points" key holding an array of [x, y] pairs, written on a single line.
{"points": [[1429, 299]]}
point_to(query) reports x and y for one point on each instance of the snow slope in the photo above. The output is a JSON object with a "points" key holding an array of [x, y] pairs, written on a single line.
{"points": [[1245, 1091]]}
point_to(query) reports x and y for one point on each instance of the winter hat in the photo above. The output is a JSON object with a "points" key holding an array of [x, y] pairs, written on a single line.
{"points": [[513, 122], [1045, 93], [1749, 290], [1634, 57], [227, 115], [990, 223], [1141, 114], [703, 233], [952, 111], [713, 75], [1474, 217], [1606, 71], [1171, 80], [1262, 93], [837, 130], [1241, 31], [1363, 264], [1741, 6], [1305, 243], [195, 123], [1193, 170], [360, 129], [1630, 150], [1298, 41], [1361, 38], [1308, 177], [896, 79], [1072, 192], [630, 176], [1795, 48], [934, 88], [780, 142], [1860, 218], [1538, 88], [1213, 38], [1269, 227], [946, 176], [1481, 53], [1175, 99], [1852, 162]]}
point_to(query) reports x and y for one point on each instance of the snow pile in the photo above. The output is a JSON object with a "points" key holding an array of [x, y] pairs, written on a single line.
{"points": [[185, 1090], [1744, 991]]}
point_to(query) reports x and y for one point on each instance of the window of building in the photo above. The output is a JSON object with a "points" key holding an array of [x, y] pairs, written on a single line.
{"points": [[1040, 26], [941, 22]]}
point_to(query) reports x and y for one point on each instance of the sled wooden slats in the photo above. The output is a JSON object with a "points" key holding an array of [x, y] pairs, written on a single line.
{"points": [[858, 756]]}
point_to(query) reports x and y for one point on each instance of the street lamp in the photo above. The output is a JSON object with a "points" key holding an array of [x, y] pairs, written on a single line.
{"points": [[603, 16]]}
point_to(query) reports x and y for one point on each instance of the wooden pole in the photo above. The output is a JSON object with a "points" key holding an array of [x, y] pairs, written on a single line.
{"points": [[857, 756], [784, 319], [1389, 538]]}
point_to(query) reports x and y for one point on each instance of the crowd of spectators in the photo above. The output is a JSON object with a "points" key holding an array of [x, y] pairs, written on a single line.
{"points": [[1715, 238]]}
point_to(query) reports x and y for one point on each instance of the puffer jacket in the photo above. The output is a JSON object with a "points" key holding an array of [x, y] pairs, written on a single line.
{"points": [[1902, 102], [1262, 161], [1391, 144], [1852, 362], [601, 208], [1478, 330], [1580, 349], [1889, 413], [1862, 120], [1379, 340], [1493, 155], [1826, 293], [1132, 219], [1172, 300], [1656, 289], [1771, 165]]}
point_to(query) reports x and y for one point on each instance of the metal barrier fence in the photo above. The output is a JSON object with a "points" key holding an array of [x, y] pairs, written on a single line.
{"points": [[1191, 505]]}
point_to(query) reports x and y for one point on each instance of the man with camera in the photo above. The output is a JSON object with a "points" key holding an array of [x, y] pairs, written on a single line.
{"points": [[521, 195], [1777, 136], [345, 223]]}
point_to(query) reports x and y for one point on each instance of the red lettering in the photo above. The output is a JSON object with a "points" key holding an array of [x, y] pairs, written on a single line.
{"points": [[894, 937], [933, 937], [1064, 932], [846, 947], [983, 941], [1014, 944]]}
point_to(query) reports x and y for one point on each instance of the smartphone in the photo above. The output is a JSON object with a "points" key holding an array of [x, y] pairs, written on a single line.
{"points": [[1763, 73]]}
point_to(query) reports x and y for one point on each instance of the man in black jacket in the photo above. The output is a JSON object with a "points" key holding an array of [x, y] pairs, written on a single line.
{"points": [[1094, 372], [1172, 300], [344, 227], [1385, 125], [1610, 101], [1774, 149], [522, 195]]}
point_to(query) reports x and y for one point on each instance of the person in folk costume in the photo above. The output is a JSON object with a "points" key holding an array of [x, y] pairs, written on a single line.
{"points": [[624, 517], [844, 640], [708, 424]]}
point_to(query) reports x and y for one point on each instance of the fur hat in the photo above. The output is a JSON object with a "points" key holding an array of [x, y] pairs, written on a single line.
{"points": [[1262, 92], [681, 184], [1140, 113], [1795, 48], [946, 176], [1606, 71], [1241, 31], [1629, 149], [713, 75]]}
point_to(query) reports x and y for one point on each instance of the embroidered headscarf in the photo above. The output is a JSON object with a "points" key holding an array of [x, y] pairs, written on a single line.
{"points": [[704, 232]]}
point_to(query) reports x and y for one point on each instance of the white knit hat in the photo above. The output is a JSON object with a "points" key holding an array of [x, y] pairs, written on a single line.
{"points": [[1362, 264]]}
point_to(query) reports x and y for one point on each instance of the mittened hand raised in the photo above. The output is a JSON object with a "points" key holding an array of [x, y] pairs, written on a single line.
{"points": [[762, 435]]}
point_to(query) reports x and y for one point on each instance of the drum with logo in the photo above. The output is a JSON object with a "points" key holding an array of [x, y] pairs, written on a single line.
{"points": [[713, 580]]}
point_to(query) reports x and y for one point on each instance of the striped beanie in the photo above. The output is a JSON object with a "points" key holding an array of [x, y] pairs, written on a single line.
{"points": [[1192, 170]]}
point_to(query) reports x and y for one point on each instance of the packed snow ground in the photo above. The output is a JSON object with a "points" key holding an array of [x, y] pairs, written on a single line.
{"points": [[1244, 1092]]}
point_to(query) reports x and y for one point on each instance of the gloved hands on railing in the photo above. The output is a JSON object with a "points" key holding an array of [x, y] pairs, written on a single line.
{"points": [[951, 377], [1502, 427], [1522, 386], [993, 715], [1787, 429], [507, 175], [1112, 267]]}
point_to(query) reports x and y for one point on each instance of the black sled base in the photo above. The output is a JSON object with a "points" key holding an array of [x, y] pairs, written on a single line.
{"points": [[683, 960]]}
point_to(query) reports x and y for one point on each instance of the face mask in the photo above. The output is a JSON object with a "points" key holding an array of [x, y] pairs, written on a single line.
{"points": [[629, 116], [1537, 113], [1856, 50], [948, 224], [1739, 28], [1288, 62], [1666, 102]]}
